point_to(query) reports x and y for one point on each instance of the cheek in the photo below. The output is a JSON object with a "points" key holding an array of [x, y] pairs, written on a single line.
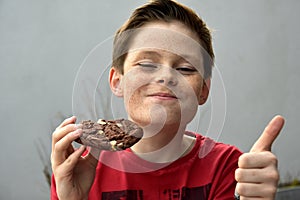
{"points": [[133, 80], [133, 94], [189, 105], [132, 98], [198, 92], [137, 109], [196, 86], [132, 90]]}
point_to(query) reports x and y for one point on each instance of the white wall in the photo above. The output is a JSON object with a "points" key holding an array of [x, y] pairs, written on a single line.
{"points": [[43, 43]]}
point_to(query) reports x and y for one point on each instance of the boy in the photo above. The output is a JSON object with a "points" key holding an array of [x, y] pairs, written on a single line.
{"points": [[162, 62]]}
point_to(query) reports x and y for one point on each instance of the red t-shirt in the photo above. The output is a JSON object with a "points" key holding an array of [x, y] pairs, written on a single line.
{"points": [[207, 172]]}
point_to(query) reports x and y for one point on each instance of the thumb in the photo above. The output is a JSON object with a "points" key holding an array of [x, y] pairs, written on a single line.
{"points": [[92, 156], [272, 130]]}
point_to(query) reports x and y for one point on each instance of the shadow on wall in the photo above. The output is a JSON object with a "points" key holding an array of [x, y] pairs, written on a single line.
{"points": [[288, 194]]}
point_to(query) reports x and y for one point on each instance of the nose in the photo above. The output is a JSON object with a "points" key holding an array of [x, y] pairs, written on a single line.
{"points": [[167, 76]]}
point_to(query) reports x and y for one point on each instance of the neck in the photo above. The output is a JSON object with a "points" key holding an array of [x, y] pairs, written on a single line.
{"points": [[165, 145]]}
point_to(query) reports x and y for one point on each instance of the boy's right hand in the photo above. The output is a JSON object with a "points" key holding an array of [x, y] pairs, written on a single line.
{"points": [[74, 174]]}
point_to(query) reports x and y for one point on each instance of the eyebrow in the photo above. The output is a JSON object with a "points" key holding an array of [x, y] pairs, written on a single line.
{"points": [[158, 55], [148, 53]]}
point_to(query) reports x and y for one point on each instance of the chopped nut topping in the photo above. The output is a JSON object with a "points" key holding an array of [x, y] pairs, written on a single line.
{"points": [[113, 142], [101, 122], [120, 144], [119, 125]]}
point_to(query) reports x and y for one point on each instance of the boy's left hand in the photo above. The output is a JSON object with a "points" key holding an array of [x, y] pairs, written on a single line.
{"points": [[257, 175]]}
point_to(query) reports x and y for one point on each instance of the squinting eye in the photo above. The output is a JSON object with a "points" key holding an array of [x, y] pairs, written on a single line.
{"points": [[148, 66], [186, 70]]}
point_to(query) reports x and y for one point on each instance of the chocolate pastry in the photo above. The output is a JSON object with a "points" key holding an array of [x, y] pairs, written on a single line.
{"points": [[113, 135]]}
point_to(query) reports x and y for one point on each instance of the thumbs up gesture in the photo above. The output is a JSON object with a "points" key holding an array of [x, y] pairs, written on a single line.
{"points": [[257, 175]]}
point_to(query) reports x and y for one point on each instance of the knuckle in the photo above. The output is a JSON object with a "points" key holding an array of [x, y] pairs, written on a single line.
{"points": [[269, 155], [271, 191], [240, 189], [57, 128], [54, 135], [274, 190], [57, 147], [274, 176], [238, 175], [243, 160], [273, 159]]}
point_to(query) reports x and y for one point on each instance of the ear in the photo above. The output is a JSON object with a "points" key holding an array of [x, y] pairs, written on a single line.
{"points": [[115, 82], [205, 91]]}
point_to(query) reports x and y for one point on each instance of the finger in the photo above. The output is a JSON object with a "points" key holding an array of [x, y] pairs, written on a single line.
{"points": [[257, 160], [272, 130], [63, 148], [247, 176], [248, 190], [70, 120], [254, 190], [93, 156], [72, 160], [256, 175], [59, 133]]}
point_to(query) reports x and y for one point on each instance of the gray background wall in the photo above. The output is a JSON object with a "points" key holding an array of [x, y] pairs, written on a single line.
{"points": [[43, 43], [288, 194]]}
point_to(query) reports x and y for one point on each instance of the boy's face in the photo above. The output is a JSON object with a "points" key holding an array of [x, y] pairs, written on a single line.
{"points": [[162, 82]]}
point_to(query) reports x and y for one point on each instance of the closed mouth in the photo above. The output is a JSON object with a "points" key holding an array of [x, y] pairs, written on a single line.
{"points": [[163, 95]]}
